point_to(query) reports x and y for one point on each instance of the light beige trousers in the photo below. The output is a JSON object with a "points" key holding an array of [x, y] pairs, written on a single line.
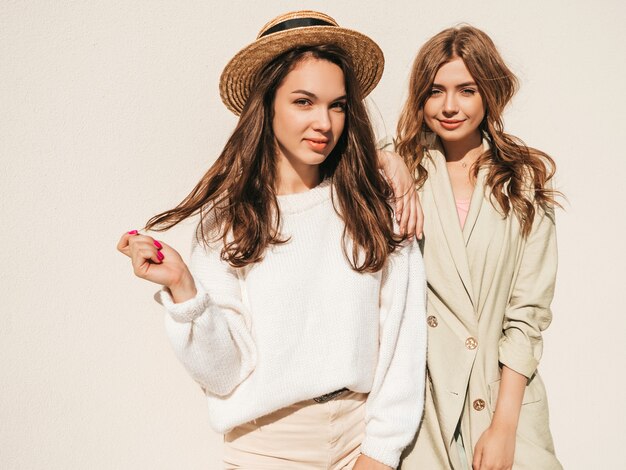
{"points": [[306, 435]]}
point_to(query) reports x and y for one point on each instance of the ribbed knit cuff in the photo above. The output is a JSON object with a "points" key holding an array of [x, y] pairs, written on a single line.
{"points": [[381, 450], [187, 311]]}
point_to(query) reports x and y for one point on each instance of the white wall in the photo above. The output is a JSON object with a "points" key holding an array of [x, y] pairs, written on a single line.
{"points": [[110, 112]]}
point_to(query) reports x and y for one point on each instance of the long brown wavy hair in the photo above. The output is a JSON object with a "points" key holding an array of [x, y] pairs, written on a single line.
{"points": [[518, 175], [239, 189]]}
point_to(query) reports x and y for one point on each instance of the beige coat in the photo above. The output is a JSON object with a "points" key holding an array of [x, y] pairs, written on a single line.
{"points": [[489, 294]]}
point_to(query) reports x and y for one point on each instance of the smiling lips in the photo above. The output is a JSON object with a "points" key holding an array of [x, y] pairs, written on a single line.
{"points": [[317, 144], [450, 124]]}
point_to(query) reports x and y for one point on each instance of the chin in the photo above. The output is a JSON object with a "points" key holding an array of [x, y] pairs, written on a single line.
{"points": [[314, 158], [448, 136]]}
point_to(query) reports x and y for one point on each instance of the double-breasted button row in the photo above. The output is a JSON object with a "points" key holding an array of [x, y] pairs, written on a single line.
{"points": [[479, 404], [432, 321], [471, 343]]}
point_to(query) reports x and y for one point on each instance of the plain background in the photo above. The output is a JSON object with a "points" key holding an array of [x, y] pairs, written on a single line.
{"points": [[110, 112]]}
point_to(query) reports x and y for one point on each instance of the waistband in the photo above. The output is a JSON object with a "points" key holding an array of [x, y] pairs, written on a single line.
{"points": [[329, 396]]}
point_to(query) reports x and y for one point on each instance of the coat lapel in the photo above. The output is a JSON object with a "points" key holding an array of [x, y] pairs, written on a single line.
{"points": [[439, 185], [478, 197]]}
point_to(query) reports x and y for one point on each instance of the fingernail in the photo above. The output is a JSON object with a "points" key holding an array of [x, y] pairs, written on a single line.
{"points": [[133, 232], [157, 244], [160, 255], [419, 237]]}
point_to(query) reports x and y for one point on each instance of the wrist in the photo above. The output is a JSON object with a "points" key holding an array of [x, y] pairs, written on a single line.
{"points": [[184, 289], [507, 426]]}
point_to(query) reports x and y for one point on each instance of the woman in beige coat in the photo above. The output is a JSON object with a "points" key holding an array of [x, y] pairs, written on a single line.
{"points": [[490, 252]]}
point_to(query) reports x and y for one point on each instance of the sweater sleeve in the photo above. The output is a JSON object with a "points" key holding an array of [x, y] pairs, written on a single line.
{"points": [[528, 311], [395, 404], [210, 333]]}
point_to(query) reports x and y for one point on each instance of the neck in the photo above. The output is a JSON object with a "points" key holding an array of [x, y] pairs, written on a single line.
{"points": [[290, 179], [459, 150]]}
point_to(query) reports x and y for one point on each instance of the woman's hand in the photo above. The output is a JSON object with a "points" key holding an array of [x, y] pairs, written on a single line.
{"points": [[367, 463], [408, 208], [495, 449], [160, 263]]}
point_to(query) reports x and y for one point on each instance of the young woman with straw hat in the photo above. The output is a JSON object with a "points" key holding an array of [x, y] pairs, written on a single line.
{"points": [[302, 314], [490, 251]]}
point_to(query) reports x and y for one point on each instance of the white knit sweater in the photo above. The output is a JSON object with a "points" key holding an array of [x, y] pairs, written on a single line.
{"points": [[302, 323]]}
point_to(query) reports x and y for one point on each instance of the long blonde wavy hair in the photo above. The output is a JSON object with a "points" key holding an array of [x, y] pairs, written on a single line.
{"points": [[517, 175]]}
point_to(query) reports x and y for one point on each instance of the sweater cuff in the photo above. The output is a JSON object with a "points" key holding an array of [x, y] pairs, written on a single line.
{"points": [[381, 450], [187, 311], [517, 357]]}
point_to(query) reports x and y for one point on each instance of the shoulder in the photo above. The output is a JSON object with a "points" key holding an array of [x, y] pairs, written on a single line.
{"points": [[537, 177], [407, 256]]}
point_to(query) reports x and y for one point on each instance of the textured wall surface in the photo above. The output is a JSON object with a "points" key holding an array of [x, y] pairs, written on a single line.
{"points": [[111, 112]]}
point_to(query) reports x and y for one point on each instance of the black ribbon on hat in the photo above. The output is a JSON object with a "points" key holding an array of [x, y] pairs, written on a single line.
{"points": [[295, 23]]}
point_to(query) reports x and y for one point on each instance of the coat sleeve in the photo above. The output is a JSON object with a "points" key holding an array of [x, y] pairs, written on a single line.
{"points": [[395, 404], [210, 333], [528, 311]]}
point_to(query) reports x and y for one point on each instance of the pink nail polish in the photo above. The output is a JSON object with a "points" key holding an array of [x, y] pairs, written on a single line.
{"points": [[133, 232], [157, 244], [160, 255]]}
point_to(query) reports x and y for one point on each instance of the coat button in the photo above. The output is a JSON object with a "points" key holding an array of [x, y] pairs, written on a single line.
{"points": [[432, 321], [479, 404], [471, 343]]}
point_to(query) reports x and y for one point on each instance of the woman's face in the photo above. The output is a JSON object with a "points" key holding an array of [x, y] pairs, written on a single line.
{"points": [[455, 107], [309, 114]]}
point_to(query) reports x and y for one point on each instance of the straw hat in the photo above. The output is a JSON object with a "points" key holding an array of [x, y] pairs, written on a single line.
{"points": [[299, 28]]}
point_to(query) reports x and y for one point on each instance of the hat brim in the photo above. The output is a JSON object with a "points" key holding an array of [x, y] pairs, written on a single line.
{"points": [[239, 74]]}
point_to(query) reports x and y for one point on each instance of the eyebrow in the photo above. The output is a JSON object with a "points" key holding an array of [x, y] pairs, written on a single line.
{"points": [[462, 85], [314, 96]]}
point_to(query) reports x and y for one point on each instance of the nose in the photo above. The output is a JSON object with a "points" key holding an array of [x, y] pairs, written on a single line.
{"points": [[450, 105], [322, 120]]}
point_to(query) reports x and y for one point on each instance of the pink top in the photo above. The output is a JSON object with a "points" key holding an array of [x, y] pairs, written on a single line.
{"points": [[462, 207]]}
